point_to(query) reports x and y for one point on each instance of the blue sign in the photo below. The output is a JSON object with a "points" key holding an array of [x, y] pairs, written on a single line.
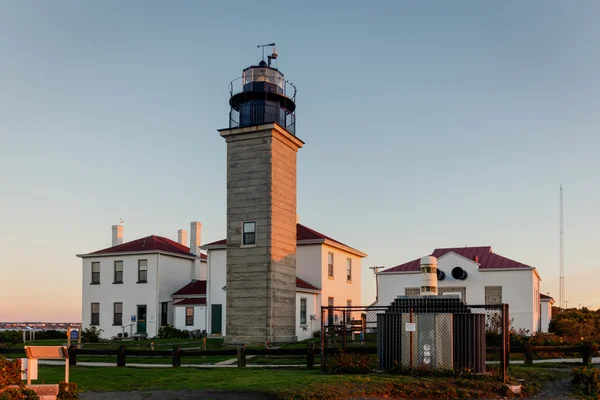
{"points": [[133, 318], [74, 334]]}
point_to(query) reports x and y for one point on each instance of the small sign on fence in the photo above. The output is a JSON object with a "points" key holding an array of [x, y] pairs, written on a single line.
{"points": [[74, 334], [411, 327]]}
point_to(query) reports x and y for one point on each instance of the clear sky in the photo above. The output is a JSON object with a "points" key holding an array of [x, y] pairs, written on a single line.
{"points": [[427, 124]]}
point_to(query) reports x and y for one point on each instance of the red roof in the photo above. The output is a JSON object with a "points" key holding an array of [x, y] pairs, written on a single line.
{"points": [[305, 285], [195, 287], [302, 233], [149, 243], [483, 255], [191, 302]]}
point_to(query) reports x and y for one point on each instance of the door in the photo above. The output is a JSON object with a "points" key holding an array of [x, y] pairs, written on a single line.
{"points": [[215, 319], [141, 319]]}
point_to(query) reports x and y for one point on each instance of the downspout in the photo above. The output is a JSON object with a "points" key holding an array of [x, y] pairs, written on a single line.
{"points": [[157, 305]]}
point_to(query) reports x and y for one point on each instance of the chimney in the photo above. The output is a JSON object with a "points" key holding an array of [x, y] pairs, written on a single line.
{"points": [[117, 235], [476, 259], [182, 236], [297, 218], [195, 236]]}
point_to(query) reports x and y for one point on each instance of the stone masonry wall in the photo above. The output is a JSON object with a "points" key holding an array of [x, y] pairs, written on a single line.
{"points": [[261, 280]]}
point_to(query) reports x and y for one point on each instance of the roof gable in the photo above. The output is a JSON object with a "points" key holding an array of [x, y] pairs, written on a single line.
{"points": [[302, 284], [148, 244], [195, 287], [487, 259], [304, 234]]}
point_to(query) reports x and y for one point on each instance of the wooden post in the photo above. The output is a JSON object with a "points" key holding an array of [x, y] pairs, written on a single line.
{"points": [[505, 343], [72, 355], [528, 354], [176, 359], [344, 328], [310, 355], [242, 355], [587, 352], [121, 356]]}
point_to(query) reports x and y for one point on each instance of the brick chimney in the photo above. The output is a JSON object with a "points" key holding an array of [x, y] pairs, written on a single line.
{"points": [[195, 236], [117, 235], [182, 237]]}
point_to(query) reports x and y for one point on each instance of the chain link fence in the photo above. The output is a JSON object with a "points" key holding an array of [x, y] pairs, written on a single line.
{"points": [[417, 334]]}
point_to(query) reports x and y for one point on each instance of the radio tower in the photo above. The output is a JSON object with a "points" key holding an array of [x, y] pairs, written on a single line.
{"points": [[561, 290]]}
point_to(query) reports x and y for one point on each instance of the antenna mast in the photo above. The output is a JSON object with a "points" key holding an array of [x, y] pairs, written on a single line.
{"points": [[561, 295]]}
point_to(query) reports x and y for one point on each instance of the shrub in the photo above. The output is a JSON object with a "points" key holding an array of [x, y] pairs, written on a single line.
{"points": [[91, 334], [344, 363], [11, 337], [586, 382], [18, 394], [168, 332], [67, 391], [10, 374]]}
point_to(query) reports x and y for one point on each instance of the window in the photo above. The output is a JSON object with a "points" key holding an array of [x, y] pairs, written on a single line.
{"points": [[330, 311], [448, 290], [349, 270], [411, 291], [118, 272], [249, 233], [330, 265], [95, 273], [189, 316], [95, 314], [429, 289], [142, 271], [493, 295], [164, 314], [303, 311], [118, 314]]}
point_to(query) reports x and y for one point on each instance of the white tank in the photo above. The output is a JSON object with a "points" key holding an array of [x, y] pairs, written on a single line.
{"points": [[428, 276]]}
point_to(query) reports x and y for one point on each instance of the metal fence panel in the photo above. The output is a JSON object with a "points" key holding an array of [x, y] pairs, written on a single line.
{"points": [[420, 333]]}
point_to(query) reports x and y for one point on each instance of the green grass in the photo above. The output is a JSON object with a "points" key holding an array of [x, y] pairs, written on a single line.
{"points": [[296, 383]]}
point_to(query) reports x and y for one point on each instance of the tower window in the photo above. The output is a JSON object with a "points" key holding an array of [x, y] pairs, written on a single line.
{"points": [[249, 233]]}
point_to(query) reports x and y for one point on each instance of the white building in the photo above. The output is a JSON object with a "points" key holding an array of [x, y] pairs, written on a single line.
{"points": [[135, 287], [328, 272], [139, 286], [478, 276], [546, 303]]}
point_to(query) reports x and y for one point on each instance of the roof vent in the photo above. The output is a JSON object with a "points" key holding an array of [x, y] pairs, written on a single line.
{"points": [[476, 258]]}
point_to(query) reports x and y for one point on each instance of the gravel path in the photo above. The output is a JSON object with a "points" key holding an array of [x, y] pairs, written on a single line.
{"points": [[174, 395], [555, 390]]}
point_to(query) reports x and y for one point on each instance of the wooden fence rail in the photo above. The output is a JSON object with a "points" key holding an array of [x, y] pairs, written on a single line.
{"points": [[586, 351]]}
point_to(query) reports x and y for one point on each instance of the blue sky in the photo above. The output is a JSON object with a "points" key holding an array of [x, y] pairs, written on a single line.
{"points": [[427, 124]]}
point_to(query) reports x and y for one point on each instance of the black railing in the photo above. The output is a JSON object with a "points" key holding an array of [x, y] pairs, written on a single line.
{"points": [[257, 114]]}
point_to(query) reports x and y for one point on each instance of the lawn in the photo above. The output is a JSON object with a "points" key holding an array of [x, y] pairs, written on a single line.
{"points": [[292, 383]]}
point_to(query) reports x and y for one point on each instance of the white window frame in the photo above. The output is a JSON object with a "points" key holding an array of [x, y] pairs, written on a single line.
{"points": [[244, 244], [348, 270], [303, 300], [331, 266]]}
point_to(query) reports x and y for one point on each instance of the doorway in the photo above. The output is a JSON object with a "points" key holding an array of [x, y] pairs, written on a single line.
{"points": [[215, 319], [141, 319]]}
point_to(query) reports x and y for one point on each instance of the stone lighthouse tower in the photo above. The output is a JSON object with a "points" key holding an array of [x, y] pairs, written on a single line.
{"points": [[261, 206]]}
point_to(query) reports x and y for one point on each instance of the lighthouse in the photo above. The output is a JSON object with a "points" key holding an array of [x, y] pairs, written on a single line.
{"points": [[261, 205]]}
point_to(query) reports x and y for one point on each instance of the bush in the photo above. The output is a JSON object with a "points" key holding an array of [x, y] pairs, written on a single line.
{"points": [[586, 382], [18, 394], [67, 391], [168, 332], [10, 374], [350, 363], [10, 337], [91, 334]]}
